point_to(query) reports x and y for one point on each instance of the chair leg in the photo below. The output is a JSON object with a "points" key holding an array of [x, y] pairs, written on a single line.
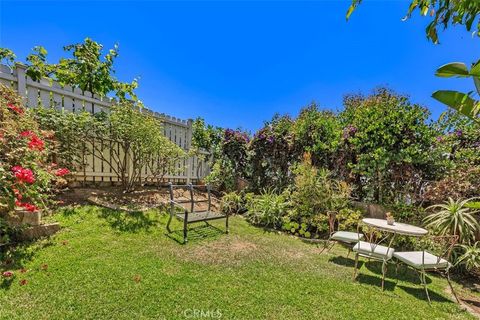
{"points": [[348, 253], [451, 287], [226, 225], [424, 283], [384, 271], [168, 223], [185, 231], [396, 271], [331, 246], [355, 267], [327, 246]]}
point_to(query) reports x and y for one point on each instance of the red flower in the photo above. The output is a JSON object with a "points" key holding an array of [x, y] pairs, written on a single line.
{"points": [[29, 207], [15, 108], [36, 143], [17, 193], [62, 172], [7, 274], [27, 133], [23, 175], [23, 282]]}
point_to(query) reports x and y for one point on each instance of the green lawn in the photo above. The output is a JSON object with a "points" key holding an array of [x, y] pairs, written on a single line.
{"points": [[111, 265]]}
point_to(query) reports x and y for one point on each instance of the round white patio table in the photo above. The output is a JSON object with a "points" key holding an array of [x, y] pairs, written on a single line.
{"points": [[396, 228]]}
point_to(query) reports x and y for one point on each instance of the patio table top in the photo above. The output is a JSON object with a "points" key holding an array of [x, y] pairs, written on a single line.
{"points": [[397, 227]]}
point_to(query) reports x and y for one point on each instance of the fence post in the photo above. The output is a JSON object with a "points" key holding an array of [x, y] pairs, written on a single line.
{"points": [[21, 80], [188, 146]]}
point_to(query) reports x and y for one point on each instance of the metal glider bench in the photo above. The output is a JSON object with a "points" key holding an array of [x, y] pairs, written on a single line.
{"points": [[192, 216]]}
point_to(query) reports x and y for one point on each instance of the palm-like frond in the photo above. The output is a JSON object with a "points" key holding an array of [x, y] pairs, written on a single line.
{"points": [[453, 217]]}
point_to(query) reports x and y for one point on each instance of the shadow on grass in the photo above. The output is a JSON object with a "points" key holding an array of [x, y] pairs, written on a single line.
{"points": [[15, 257], [196, 234], [68, 211], [346, 262], [375, 281], [129, 221], [403, 273], [419, 293]]}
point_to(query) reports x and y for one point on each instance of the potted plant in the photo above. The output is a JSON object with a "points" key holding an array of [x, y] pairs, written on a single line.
{"points": [[390, 218]]}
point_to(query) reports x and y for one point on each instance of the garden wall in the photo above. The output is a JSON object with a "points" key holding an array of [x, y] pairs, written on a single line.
{"points": [[48, 93]]}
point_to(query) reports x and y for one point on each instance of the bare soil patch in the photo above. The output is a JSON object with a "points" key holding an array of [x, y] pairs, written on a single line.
{"points": [[140, 200]]}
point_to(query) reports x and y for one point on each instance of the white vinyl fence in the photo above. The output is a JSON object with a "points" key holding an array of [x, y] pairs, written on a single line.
{"points": [[47, 93]]}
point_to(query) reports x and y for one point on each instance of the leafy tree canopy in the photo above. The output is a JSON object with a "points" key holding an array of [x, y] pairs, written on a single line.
{"points": [[442, 12]]}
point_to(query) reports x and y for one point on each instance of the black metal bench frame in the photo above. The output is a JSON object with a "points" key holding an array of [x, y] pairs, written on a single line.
{"points": [[192, 216]]}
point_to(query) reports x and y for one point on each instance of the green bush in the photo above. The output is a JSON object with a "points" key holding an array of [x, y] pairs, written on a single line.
{"points": [[470, 258], [317, 132], [387, 146], [126, 138], [236, 202], [272, 152], [268, 209], [316, 191]]}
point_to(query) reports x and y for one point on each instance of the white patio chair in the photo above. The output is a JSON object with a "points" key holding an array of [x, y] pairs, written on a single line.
{"points": [[372, 249], [424, 261], [346, 238]]}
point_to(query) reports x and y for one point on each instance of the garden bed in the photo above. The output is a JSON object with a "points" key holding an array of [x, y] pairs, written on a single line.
{"points": [[141, 200]]}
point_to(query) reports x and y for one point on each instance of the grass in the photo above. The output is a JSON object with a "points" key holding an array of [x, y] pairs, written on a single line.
{"points": [[107, 264]]}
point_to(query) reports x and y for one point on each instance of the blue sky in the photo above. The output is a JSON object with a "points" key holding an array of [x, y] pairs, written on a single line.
{"points": [[238, 63]]}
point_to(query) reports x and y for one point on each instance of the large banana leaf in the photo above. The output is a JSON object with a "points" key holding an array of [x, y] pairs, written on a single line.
{"points": [[461, 102], [453, 69]]}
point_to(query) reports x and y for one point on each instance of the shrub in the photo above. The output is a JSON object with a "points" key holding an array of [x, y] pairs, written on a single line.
{"points": [[222, 176], [69, 130], [317, 225], [127, 139], [25, 174], [267, 209], [236, 202], [453, 218], [407, 212], [470, 258], [348, 219], [317, 132], [459, 183], [387, 146], [272, 154], [232, 202], [229, 156], [314, 194], [315, 191]]}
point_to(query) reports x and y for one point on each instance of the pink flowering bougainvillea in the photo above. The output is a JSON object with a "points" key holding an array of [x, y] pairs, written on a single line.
{"points": [[62, 172], [26, 175]]}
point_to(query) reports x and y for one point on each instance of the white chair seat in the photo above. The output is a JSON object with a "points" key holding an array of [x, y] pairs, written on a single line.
{"points": [[347, 237], [373, 250], [414, 259]]}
